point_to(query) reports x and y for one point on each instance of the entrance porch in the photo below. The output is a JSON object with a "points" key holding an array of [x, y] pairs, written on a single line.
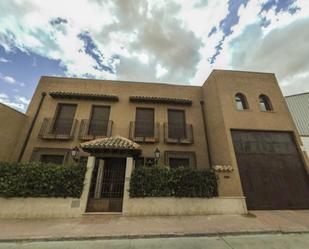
{"points": [[110, 166]]}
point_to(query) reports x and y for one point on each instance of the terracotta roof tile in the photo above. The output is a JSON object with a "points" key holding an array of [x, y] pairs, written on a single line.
{"points": [[160, 100], [85, 96], [110, 143]]}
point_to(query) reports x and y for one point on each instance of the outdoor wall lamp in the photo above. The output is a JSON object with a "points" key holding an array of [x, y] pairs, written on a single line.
{"points": [[157, 155], [75, 154]]}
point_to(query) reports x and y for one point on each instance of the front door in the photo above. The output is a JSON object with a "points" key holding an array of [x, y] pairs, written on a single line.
{"points": [[107, 185]]}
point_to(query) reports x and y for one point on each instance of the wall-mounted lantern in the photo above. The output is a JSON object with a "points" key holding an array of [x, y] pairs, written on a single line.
{"points": [[157, 155]]}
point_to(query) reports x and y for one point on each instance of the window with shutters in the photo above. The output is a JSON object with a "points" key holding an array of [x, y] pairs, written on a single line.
{"points": [[144, 122], [176, 124], [99, 119], [64, 119]]}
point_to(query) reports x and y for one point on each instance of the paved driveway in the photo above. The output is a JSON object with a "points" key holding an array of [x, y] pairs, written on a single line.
{"points": [[273, 241]]}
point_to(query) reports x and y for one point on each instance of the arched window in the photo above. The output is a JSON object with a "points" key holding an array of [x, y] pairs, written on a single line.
{"points": [[241, 102], [265, 103]]}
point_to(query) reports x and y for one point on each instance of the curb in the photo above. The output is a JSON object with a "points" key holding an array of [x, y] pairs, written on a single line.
{"points": [[151, 236]]}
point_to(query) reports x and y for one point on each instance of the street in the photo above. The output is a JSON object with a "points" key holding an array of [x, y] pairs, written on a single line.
{"points": [[274, 241]]}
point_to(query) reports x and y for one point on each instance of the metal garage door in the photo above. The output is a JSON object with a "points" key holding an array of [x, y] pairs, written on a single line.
{"points": [[272, 173]]}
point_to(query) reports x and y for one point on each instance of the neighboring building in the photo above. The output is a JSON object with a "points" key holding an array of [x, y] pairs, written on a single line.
{"points": [[236, 119], [299, 108], [12, 123]]}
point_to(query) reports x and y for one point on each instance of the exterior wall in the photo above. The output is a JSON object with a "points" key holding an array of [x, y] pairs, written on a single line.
{"points": [[48, 207], [229, 182], [299, 108], [220, 110], [178, 206], [305, 141], [121, 114], [185, 206], [11, 127], [69, 207], [222, 116], [39, 208]]}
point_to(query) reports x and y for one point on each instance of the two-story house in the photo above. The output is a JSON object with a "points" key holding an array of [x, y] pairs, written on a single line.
{"points": [[239, 120]]}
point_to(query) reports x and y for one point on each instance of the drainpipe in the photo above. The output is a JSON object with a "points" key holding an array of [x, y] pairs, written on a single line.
{"points": [[205, 132], [43, 94]]}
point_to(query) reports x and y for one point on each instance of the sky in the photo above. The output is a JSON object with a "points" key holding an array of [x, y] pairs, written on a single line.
{"points": [[175, 41]]}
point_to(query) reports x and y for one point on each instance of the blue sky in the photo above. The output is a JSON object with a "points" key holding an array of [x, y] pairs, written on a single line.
{"points": [[154, 40]]}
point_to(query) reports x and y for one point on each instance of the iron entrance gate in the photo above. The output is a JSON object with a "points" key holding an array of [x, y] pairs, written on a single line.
{"points": [[107, 185], [272, 172]]}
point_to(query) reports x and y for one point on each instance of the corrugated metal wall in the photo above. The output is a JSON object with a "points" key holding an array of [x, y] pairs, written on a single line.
{"points": [[299, 108]]}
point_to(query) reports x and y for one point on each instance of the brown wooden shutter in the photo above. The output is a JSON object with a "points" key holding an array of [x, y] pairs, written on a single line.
{"points": [[176, 124], [99, 120], [144, 122], [64, 119]]}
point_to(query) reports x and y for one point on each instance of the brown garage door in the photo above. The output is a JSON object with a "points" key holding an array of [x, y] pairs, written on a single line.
{"points": [[272, 173]]}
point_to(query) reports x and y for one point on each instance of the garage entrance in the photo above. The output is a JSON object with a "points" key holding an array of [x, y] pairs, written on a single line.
{"points": [[272, 172]]}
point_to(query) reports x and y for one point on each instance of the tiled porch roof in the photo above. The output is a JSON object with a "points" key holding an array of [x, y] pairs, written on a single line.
{"points": [[85, 96], [160, 100], [110, 144]]}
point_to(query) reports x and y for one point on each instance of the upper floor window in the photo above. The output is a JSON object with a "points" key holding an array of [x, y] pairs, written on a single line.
{"points": [[241, 102], [144, 122], [64, 119], [99, 120], [176, 124], [265, 103]]}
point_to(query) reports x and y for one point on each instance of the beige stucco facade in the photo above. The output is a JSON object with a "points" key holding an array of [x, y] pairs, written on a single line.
{"points": [[122, 112], [11, 126], [221, 116]]}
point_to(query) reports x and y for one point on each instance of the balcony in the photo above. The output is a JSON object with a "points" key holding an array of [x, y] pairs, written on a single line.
{"points": [[92, 129], [62, 129], [144, 132], [178, 134]]}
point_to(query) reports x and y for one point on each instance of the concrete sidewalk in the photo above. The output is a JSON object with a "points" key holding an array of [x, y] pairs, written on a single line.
{"points": [[117, 226]]}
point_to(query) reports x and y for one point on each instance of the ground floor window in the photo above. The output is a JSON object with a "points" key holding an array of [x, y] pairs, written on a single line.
{"points": [[179, 162], [56, 159], [176, 159], [51, 155]]}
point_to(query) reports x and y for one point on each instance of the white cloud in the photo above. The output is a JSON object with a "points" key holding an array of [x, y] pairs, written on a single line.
{"points": [[3, 96], [22, 100], [18, 102], [158, 40], [160, 71], [152, 30], [283, 51], [8, 79], [3, 60]]}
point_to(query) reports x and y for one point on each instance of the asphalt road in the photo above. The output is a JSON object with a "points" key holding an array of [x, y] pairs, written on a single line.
{"points": [[273, 241]]}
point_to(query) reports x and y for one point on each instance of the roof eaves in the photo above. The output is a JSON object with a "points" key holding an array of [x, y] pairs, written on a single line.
{"points": [[83, 96]]}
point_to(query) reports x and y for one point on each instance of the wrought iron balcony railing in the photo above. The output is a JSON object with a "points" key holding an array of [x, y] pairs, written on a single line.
{"points": [[144, 132], [91, 129], [177, 133], [58, 128]]}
